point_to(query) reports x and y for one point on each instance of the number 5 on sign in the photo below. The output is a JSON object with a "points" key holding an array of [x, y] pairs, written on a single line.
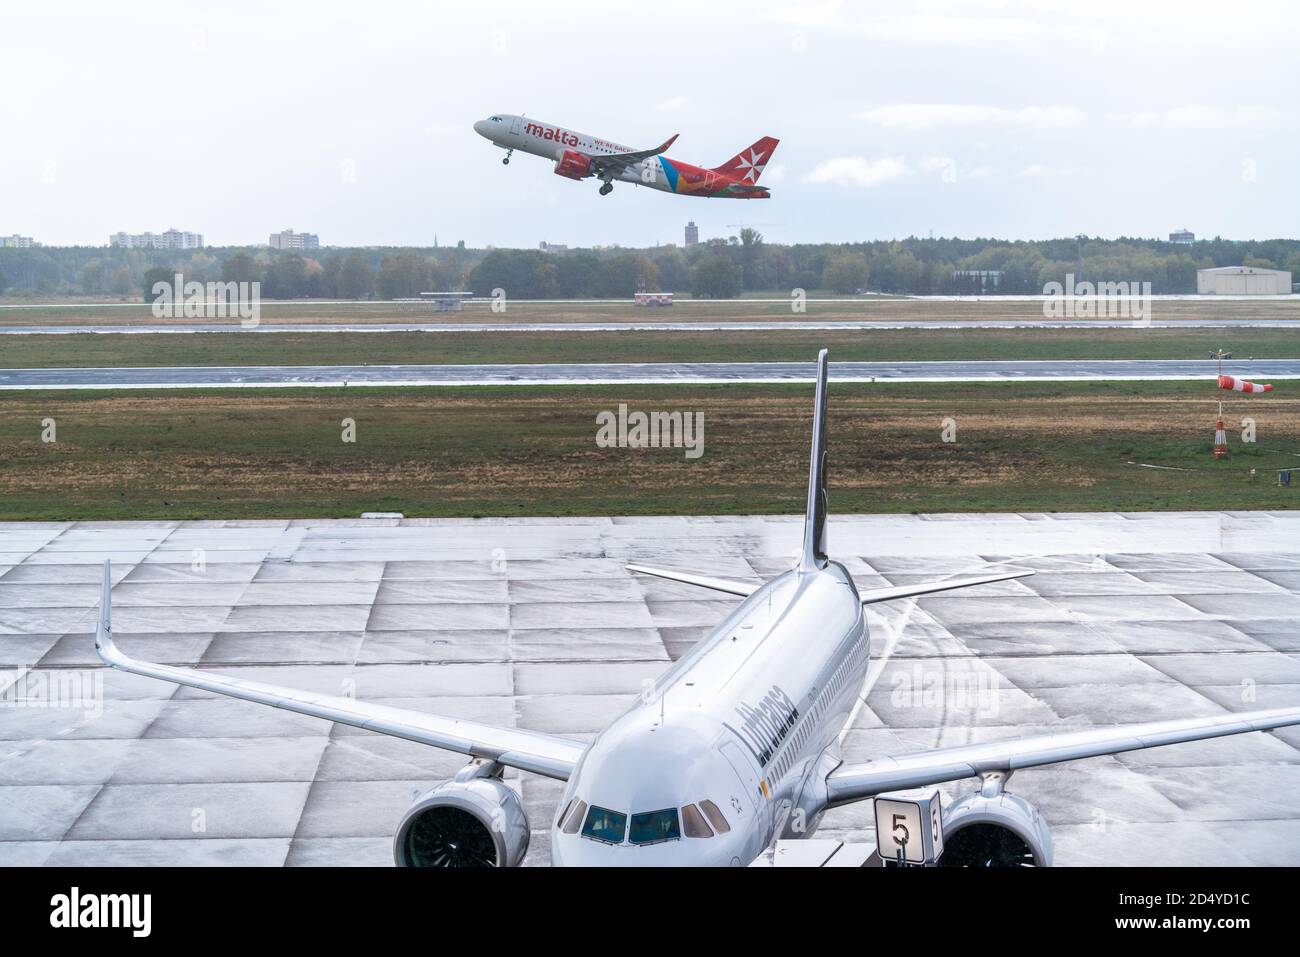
{"points": [[909, 823]]}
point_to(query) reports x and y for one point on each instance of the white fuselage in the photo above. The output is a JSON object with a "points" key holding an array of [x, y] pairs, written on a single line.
{"points": [[550, 142], [749, 719]]}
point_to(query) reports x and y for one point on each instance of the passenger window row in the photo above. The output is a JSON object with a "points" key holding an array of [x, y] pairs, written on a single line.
{"points": [[794, 744]]}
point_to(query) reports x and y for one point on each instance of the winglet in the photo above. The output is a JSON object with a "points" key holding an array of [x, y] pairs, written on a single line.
{"points": [[667, 143], [108, 652], [814, 528]]}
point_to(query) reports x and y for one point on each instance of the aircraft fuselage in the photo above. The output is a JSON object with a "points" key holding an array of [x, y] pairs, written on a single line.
{"points": [[743, 720], [567, 148]]}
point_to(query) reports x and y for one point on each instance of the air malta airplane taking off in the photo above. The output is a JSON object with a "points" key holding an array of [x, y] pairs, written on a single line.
{"points": [[736, 745], [578, 156]]}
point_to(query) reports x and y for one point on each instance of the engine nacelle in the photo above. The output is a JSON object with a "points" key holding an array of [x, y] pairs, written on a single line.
{"points": [[573, 164], [479, 822], [997, 830]]}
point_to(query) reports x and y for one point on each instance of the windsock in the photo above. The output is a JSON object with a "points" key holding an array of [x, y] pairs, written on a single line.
{"points": [[1241, 385]]}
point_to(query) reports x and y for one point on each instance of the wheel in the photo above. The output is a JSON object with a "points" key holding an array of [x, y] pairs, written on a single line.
{"points": [[606, 189], [506, 161]]}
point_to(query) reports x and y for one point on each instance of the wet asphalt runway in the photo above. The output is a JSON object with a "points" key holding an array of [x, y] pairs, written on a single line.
{"points": [[563, 373], [703, 325]]}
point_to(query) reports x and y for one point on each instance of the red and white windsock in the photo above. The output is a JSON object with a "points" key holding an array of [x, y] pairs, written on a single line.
{"points": [[1241, 385]]}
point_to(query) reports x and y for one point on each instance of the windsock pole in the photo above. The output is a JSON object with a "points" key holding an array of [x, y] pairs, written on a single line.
{"points": [[1228, 383], [1220, 437]]}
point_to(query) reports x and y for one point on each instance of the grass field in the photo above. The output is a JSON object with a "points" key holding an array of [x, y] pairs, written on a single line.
{"points": [[881, 309], [532, 451], [376, 348]]}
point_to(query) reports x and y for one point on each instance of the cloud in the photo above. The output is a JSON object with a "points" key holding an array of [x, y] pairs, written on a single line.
{"points": [[942, 24], [858, 171], [1035, 24], [1197, 117], [672, 105], [926, 116], [861, 172], [1042, 172], [773, 173]]}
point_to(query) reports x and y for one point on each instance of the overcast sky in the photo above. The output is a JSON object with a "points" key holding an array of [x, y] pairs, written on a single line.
{"points": [[354, 120]]}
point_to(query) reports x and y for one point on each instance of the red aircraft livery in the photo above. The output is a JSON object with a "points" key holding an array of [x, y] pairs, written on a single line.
{"points": [[578, 156]]}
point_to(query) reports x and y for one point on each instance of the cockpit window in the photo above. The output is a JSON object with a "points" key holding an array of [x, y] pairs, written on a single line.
{"points": [[652, 827], [495, 119], [603, 825], [575, 818], [564, 811], [715, 817], [693, 822]]}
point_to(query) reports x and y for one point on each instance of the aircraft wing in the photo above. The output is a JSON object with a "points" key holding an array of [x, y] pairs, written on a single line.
{"points": [[544, 754], [849, 783], [617, 162]]}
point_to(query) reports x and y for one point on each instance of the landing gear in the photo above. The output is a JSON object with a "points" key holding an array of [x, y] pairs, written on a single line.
{"points": [[606, 189], [506, 161]]}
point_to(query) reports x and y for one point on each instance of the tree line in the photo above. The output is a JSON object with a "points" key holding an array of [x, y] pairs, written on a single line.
{"points": [[721, 268]]}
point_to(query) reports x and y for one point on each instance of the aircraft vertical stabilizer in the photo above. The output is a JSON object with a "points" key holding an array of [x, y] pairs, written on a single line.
{"points": [[814, 527]]}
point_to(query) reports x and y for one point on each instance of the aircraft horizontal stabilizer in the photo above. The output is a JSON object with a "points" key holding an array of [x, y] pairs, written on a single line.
{"points": [[703, 581], [926, 588]]}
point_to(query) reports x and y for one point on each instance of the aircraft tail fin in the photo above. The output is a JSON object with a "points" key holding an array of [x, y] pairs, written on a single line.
{"points": [[814, 523], [748, 164], [104, 623]]}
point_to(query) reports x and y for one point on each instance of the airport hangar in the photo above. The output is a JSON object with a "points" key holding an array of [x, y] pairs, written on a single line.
{"points": [[1243, 281]]}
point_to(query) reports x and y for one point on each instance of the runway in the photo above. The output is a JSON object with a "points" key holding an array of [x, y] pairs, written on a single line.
{"points": [[721, 325], [682, 373], [535, 623], [864, 300]]}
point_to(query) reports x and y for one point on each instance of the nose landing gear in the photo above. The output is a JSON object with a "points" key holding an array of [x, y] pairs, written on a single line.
{"points": [[606, 189], [506, 161]]}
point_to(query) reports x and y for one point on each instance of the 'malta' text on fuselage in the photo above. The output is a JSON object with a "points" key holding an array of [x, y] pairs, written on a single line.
{"points": [[547, 133]]}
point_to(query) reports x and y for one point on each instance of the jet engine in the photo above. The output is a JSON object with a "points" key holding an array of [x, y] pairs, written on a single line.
{"points": [[474, 820], [994, 830], [573, 164]]}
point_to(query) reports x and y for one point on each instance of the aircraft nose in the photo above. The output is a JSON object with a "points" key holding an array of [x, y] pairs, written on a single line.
{"points": [[481, 127]]}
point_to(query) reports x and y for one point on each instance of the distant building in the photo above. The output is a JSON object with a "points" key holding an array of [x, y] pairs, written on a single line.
{"points": [[16, 242], [1243, 281], [652, 299], [288, 239], [171, 239], [977, 281], [546, 247], [1185, 236], [692, 233], [445, 301]]}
